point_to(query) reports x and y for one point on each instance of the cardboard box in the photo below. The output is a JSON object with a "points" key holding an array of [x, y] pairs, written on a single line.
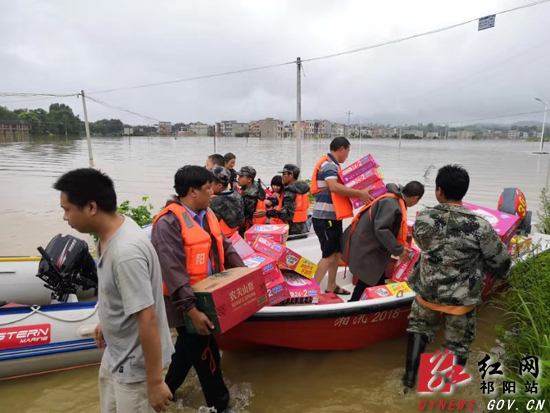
{"points": [[403, 269], [277, 291], [504, 224], [230, 297], [384, 291], [285, 257], [359, 167], [277, 233], [252, 259], [366, 178], [520, 245], [299, 286], [376, 189], [329, 298]]}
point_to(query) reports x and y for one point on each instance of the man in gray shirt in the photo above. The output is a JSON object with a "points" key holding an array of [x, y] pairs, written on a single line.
{"points": [[133, 327]]}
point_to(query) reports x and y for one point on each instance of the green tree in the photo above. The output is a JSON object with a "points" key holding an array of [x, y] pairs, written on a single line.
{"points": [[60, 117], [5, 113]]}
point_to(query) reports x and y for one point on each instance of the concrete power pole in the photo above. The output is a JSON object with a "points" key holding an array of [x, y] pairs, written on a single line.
{"points": [[87, 125], [299, 113], [349, 113]]}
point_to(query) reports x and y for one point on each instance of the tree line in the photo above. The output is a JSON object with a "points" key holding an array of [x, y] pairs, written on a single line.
{"points": [[59, 119]]}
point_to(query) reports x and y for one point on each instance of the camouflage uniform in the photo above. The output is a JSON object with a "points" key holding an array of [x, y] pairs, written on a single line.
{"points": [[289, 207], [229, 206], [458, 247]]}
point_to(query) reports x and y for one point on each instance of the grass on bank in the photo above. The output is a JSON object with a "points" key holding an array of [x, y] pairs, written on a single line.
{"points": [[527, 315], [544, 216]]}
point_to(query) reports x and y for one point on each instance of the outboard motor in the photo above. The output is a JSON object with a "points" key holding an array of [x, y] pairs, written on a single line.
{"points": [[512, 201], [66, 266]]}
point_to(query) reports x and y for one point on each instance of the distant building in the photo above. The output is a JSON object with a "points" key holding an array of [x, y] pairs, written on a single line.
{"points": [[338, 129], [164, 128], [199, 128], [128, 131], [414, 132], [254, 128], [513, 134], [271, 128], [14, 129], [461, 134]]}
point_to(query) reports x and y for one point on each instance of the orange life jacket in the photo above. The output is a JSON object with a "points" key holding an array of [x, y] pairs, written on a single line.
{"points": [[226, 229], [197, 243], [260, 206], [402, 235], [300, 214], [342, 204]]}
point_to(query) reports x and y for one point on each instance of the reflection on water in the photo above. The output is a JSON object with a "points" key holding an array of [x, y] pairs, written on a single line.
{"points": [[267, 380]]}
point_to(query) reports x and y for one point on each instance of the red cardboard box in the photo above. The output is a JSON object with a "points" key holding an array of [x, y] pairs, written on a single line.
{"points": [[384, 291], [285, 257], [376, 189], [230, 297], [299, 286], [504, 224], [329, 298], [366, 178], [277, 233], [253, 259], [277, 291], [359, 167], [403, 269]]}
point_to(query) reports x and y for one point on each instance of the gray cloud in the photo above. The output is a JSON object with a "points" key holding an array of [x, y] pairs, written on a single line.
{"points": [[65, 46]]}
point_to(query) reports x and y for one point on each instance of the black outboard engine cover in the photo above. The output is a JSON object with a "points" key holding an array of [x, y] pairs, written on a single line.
{"points": [[67, 265]]}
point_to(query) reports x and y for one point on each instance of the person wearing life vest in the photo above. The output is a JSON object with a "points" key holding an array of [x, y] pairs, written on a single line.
{"points": [[253, 197], [376, 233], [191, 246], [226, 203], [294, 205], [332, 205]]}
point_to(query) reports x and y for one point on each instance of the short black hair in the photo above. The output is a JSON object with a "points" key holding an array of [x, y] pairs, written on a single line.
{"points": [[228, 156], [217, 159], [85, 185], [191, 176], [338, 143], [277, 180], [453, 181], [414, 188]]}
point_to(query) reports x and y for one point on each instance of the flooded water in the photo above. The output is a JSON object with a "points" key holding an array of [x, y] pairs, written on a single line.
{"points": [[267, 380]]}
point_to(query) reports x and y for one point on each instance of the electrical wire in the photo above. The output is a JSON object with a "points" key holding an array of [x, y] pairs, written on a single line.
{"points": [[324, 57], [127, 111], [494, 117]]}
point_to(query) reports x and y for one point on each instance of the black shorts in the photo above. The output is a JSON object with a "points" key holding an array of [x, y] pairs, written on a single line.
{"points": [[329, 233]]}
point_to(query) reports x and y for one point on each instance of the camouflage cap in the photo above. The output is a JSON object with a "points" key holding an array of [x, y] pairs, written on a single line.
{"points": [[221, 175], [247, 171], [291, 169]]}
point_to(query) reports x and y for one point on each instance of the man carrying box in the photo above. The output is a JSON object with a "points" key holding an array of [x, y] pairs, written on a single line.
{"points": [[457, 246], [253, 197], [332, 205], [191, 246], [376, 233], [294, 204]]}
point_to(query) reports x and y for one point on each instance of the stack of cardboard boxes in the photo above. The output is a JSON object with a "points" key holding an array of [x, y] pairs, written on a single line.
{"points": [[364, 175]]}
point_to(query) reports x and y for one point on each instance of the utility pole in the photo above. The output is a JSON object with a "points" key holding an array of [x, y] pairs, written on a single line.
{"points": [[360, 132], [446, 131], [87, 126], [543, 124], [400, 132], [349, 113], [299, 113], [65, 122]]}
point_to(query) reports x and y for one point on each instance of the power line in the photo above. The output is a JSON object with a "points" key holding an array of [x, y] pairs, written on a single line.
{"points": [[494, 117], [329, 56], [403, 39], [169, 82], [131, 112]]}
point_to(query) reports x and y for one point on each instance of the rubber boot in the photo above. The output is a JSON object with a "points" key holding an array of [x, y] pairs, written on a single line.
{"points": [[415, 347]]}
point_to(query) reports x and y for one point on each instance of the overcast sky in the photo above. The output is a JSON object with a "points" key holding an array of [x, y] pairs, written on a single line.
{"points": [[460, 74]]}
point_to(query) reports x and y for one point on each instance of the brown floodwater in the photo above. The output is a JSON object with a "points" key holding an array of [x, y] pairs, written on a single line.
{"points": [[271, 380]]}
